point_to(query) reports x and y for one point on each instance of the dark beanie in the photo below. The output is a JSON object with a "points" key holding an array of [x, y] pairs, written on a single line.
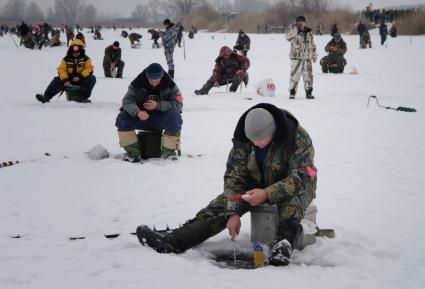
{"points": [[154, 71], [116, 44], [300, 18], [167, 22]]}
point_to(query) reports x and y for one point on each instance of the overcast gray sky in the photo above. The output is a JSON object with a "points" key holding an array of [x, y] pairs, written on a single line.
{"points": [[124, 7]]}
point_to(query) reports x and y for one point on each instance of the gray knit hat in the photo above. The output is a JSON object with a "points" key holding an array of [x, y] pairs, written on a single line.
{"points": [[259, 124]]}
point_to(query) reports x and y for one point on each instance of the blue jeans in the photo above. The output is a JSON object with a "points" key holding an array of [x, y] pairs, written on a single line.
{"points": [[169, 120]]}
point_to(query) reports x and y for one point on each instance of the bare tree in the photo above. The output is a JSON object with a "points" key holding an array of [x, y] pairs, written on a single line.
{"points": [[67, 9], [14, 10], [253, 6], [88, 13], [51, 15], [34, 13]]}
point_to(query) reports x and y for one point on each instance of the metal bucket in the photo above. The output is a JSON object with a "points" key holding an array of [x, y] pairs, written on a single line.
{"points": [[264, 219]]}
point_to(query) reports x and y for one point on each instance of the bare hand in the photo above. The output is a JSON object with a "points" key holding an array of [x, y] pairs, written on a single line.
{"points": [[234, 226], [67, 83], [143, 115], [112, 65], [216, 84], [255, 197], [150, 105], [75, 79]]}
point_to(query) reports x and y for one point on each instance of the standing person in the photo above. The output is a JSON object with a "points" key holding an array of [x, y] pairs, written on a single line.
{"points": [[169, 38], [383, 31], [271, 161], [230, 67], [153, 101], [75, 69], [334, 29], [23, 31], [180, 34], [302, 53], [243, 43], [112, 60]]}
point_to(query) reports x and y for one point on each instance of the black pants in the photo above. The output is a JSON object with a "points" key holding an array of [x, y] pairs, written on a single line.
{"points": [[57, 85]]}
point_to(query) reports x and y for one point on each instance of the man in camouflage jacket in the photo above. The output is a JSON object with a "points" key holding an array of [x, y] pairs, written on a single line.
{"points": [[230, 67], [334, 62], [302, 53], [271, 161], [112, 60], [169, 40]]}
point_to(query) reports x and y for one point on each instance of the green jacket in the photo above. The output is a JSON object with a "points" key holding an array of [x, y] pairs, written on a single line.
{"points": [[111, 55], [288, 174], [167, 94]]}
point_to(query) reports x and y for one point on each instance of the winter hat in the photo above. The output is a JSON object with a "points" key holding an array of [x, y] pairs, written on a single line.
{"points": [[300, 18], [116, 44], [259, 124], [167, 22], [337, 36], [154, 71]]}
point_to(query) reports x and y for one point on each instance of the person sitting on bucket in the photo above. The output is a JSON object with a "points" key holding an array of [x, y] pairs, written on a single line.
{"points": [[230, 67], [75, 69], [112, 60], [153, 102], [334, 62], [271, 161]]}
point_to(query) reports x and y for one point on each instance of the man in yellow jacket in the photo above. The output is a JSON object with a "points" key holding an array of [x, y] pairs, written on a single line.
{"points": [[75, 69]]}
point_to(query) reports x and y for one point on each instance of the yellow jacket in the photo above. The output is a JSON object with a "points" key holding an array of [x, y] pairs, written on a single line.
{"points": [[71, 66]]}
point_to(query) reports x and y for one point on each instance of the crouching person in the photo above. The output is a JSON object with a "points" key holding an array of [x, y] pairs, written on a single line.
{"points": [[112, 60], [153, 102], [271, 161], [334, 62], [230, 67], [75, 69]]}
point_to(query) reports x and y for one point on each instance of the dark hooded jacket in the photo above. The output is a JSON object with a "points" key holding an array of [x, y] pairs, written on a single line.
{"points": [[167, 94], [287, 174]]}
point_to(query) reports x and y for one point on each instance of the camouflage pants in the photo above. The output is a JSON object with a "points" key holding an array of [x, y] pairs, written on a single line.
{"points": [[301, 67], [216, 214], [169, 57]]}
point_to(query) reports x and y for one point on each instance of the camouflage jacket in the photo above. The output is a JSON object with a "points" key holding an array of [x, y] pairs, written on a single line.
{"points": [[341, 47], [167, 94], [169, 37], [302, 44], [111, 55], [226, 68], [288, 174]]}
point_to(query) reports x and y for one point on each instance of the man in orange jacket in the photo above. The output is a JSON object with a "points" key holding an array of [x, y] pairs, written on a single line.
{"points": [[75, 69]]}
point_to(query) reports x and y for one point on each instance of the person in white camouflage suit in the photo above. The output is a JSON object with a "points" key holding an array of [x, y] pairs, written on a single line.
{"points": [[303, 52]]}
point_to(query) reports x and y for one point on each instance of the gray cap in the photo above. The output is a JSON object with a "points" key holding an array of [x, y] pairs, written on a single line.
{"points": [[259, 124]]}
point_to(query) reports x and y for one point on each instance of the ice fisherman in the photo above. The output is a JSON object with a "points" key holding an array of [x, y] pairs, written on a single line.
{"points": [[230, 67], [302, 54], [76, 68], [153, 102], [271, 161]]}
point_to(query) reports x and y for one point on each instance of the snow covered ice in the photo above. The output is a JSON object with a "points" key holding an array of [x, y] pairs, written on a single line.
{"points": [[370, 170]]}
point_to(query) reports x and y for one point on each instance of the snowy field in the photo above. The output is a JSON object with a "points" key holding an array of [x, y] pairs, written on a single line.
{"points": [[370, 160]]}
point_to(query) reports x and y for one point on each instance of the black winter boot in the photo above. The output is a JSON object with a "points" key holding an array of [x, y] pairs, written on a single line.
{"points": [[292, 94], [178, 240], [205, 89], [281, 249], [41, 98], [309, 94]]}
